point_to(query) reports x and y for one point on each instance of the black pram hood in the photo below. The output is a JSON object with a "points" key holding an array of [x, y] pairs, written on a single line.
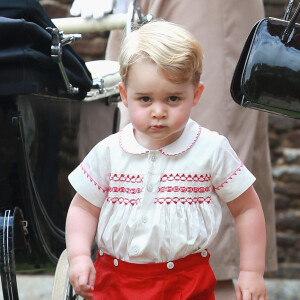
{"points": [[26, 65]]}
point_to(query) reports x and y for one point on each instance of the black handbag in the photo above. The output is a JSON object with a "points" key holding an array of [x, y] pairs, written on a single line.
{"points": [[267, 75]]}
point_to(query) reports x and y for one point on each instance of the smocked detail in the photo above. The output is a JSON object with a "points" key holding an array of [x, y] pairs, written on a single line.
{"points": [[183, 189], [126, 178], [183, 200], [184, 177], [123, 200]]}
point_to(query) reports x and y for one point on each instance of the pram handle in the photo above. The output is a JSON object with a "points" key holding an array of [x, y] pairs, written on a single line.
{"points": [[107, 23], [81, 25]]}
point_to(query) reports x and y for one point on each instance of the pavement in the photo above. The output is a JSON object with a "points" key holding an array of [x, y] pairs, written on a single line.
{"points": [[39, 287], [34, 287]]}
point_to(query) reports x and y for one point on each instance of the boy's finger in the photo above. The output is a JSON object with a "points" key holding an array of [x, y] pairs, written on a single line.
{"points": [[254, 297], [247, 296], [82, 280], [238, 294], [84, 291], [86, 295], [92, 279]]}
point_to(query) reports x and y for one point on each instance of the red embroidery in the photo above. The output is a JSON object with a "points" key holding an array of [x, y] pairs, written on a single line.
{"points": [[91, 179], [230, 177], [183, 177], [183, 189], [161, 150], [122, 189], [194, 141], [122, 146], [183, 200], [122, 200], [126, 178]]}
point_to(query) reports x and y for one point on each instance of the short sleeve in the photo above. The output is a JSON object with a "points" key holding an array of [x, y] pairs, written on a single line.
{"points": [[91, 178], [230, 177]]}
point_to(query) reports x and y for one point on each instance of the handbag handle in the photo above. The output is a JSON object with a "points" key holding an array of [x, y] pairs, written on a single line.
{"points": [[288, 10], [292, 21]]}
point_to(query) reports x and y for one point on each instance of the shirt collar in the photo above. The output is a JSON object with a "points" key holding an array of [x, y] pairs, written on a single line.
{"points": [[189, 136]]}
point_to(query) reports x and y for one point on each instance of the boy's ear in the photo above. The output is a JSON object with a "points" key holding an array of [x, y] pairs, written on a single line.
{"points": [[123, 93], [198, 92]]}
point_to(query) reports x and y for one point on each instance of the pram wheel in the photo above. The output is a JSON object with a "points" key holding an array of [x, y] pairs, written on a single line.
{"points": [[62, 289]]}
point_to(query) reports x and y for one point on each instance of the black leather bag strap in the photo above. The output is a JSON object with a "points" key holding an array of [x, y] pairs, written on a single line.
{"points": [[292, 21]]}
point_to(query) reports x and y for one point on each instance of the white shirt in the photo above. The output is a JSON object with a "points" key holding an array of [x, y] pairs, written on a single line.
{"points": [[160, 205]]}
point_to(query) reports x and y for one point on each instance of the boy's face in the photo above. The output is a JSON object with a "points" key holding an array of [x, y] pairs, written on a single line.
{"points": [[158, 108]]}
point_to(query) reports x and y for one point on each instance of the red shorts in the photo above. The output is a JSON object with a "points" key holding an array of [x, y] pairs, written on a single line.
{"points": [[187, 278]]}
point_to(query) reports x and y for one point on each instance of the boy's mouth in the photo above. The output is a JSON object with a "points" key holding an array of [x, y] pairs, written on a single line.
{"points": [[156, 127]]}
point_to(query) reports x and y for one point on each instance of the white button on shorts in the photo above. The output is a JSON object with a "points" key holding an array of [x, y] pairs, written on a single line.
{"points": [[101, 253], [204, 253], [170, 265], [116, 263]]}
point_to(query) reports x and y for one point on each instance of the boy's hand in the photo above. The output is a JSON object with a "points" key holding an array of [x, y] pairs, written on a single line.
{"points": [[250, 286], [82, 276]]}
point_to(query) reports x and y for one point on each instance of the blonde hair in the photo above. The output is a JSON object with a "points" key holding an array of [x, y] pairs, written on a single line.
{"points": [[171, 47]]}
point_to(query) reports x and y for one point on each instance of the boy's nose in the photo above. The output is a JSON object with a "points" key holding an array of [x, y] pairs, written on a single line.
{"points": [[158, 111]]}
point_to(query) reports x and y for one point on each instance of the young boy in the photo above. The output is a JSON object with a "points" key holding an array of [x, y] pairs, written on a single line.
{"points": [[152, 191]]}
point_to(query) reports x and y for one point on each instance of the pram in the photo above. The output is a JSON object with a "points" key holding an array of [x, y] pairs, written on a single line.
{"points": [[45, 93]]}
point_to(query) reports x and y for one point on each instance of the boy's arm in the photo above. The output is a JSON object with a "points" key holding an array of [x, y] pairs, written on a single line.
{"points": [[81, 225], [250, 225]]}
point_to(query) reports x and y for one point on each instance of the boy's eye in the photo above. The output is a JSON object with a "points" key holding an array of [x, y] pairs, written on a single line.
{"points": [[145, 99], [173, 99]]}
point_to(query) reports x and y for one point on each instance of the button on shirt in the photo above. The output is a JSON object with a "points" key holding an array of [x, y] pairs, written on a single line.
{"points": [[160, 205]]}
